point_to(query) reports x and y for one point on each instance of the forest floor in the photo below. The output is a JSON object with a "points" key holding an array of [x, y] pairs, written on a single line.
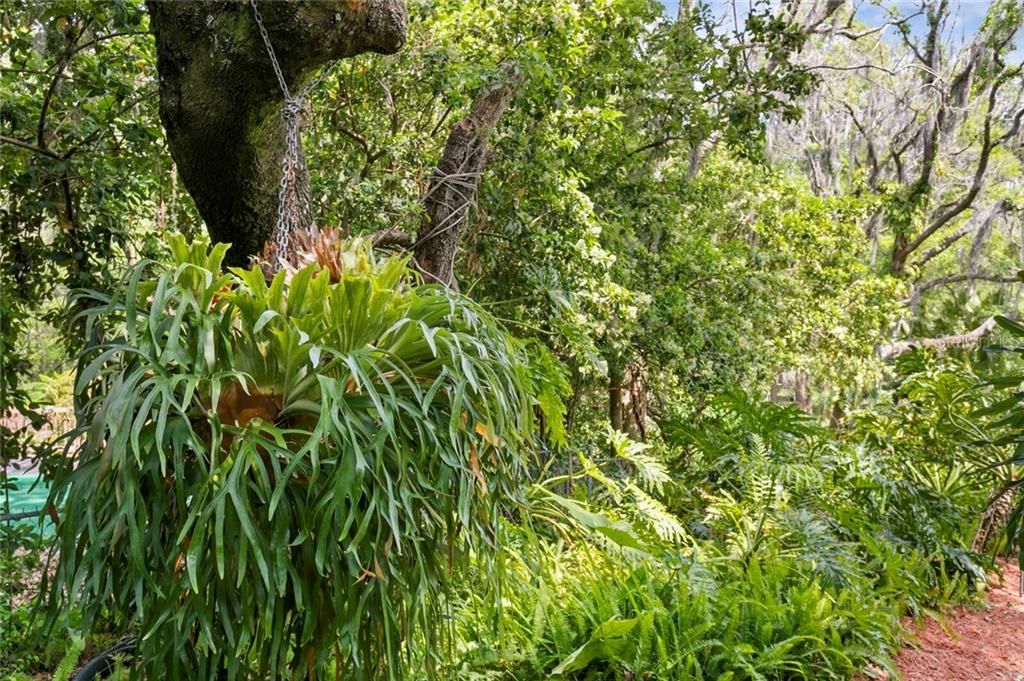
{"points": [[988, 644]]}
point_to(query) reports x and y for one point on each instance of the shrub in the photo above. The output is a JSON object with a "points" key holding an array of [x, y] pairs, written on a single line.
{"points": [[588, 614]]}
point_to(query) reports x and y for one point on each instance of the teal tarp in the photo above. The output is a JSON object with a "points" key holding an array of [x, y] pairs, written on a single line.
{"points": [[26, 493]]}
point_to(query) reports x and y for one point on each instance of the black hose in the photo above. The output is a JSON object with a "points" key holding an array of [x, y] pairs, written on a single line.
{"points": [[102, 666]]}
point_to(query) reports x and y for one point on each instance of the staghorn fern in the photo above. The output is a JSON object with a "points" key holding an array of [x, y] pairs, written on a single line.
{"points": [[279, 477]]}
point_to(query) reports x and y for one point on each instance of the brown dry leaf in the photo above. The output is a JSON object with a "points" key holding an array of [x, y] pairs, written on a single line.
{"points": [[474, 465], [215, 300], [487, 434], [321, 246]]}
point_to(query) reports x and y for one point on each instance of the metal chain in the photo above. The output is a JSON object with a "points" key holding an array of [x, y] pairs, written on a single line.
{"points": [[294, 208], [270, 49]]}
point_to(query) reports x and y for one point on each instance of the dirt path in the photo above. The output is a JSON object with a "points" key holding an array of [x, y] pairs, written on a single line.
{"points": [[989, 645]]}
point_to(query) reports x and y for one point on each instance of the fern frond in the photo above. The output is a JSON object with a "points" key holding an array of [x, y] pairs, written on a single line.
{"points": [[650, 472], [664, 523], [70, 660]]}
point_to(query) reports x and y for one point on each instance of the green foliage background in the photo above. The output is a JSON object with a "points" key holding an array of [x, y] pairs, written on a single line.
{"points": [[646, 224]]}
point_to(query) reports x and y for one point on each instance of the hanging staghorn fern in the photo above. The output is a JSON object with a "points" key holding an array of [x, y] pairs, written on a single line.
{"points": [[280, 478]]}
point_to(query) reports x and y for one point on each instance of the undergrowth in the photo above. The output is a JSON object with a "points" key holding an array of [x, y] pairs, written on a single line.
{"points": [[801, 548]]}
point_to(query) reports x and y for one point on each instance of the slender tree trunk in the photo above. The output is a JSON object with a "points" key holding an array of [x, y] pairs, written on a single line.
{"points": [[615, 385], [836, 416], [898, 260], [801, 390]]}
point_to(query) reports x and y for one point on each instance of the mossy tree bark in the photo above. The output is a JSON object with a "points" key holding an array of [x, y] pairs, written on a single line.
{"points": [[221, 104]]}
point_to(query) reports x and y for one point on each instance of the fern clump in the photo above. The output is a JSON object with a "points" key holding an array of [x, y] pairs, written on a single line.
{"points": [[279, 477]]}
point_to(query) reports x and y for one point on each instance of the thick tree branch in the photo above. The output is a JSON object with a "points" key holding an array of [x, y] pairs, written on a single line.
{"points": [[221, 104], [905, 248], [454, 184], [998, 208], [942, 343], [31, 147], [920, 289], [392, 237], [965, 201], [959, 278]]}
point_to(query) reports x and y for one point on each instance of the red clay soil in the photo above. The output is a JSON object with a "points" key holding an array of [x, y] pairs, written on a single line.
{"points": [[989, 643]]}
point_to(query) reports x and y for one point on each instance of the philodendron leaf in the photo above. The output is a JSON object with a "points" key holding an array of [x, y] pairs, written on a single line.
{"points": [[618, 531], [608, 642]]}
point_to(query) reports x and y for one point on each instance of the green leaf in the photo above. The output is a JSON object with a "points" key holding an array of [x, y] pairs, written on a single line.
{"points": [[605, 644]]}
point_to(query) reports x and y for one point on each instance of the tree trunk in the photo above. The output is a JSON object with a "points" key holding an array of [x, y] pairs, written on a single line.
{"points": [[615, 384], [635, 397], [900, 252], [801, 391], [454, 184], [221, 104], [836, 416]]}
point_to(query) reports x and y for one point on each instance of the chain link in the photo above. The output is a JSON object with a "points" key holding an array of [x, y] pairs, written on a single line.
{"points": [[270, 49], [294, 209]]}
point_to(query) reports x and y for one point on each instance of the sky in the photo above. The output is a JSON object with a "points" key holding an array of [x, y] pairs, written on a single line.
{"points": [[968, 14]]}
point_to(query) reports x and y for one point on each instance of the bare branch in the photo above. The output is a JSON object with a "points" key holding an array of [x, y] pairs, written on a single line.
{"points": [[921, 290], [967, 200], [454, 184], [856, 67], [941, 344], [1014, 127], [997, 209], [391, 237], [849, 33], [31, 147], [661, 141], [963, 278], [872, 153]]}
